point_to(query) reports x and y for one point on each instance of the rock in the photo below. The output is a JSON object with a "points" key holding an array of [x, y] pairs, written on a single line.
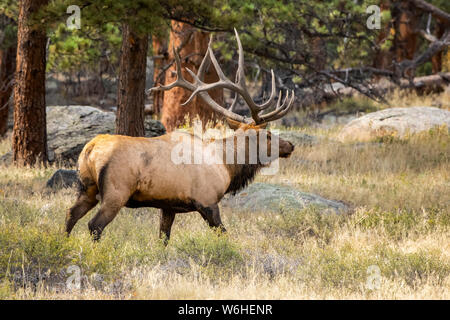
{"points": [[275, 198], [153, 128], [394, 121], [298, 138], [325, 121], [63, 179], [69, 128], [331, 120], [11, 114], [6, 159]]}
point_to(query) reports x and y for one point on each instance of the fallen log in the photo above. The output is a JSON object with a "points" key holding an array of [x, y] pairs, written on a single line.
{"points": [[431, 83]]}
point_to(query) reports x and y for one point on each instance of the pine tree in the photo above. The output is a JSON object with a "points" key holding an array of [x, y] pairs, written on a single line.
{"points": [[30, 131]]}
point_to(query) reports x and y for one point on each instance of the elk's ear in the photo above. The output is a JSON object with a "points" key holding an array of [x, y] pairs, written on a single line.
{"points": [[233, 124]]}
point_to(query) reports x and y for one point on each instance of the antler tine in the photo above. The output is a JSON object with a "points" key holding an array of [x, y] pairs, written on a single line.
{"points": [[282, 109], [205, 62], [278, 106], [219, 71], [234, 103], [198, 87], [223, 82], [240, 74], [271, 99], [201, 88], [180, 81]]}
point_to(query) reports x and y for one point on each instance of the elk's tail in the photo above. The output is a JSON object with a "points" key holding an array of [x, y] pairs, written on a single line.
{"points": [[86, 179]]}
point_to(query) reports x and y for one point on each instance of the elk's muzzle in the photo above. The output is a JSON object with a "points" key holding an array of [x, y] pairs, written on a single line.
{"points": [[286, 148]]}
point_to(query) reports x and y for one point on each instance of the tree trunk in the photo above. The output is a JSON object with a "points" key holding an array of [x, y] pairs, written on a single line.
{"points": [[192, 45], [131, 91], [7, 69], [161, 55], [405, 39], [319, 51], [383, 57], [30, 131], [436, 60]]}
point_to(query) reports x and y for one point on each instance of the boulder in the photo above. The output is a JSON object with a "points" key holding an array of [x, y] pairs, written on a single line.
{"points": [[153, 128], [298, 138], [398, 122], [323, 121], [6, 159], [69, 128], [63, 179], [266, 197]]}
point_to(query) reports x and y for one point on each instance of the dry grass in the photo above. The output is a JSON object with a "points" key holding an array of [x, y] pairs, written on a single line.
{"points": [[402, 98], [399, 192]]}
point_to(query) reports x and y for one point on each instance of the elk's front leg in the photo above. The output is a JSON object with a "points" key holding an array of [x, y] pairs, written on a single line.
{"points": [[166, 221], [211, 215]]}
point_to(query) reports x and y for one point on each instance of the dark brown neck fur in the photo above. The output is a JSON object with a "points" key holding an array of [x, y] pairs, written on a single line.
{"points": [[241, 175]]}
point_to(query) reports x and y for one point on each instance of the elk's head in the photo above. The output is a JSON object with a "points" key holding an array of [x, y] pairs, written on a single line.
{"points": [[259, 117], [263, 136]]}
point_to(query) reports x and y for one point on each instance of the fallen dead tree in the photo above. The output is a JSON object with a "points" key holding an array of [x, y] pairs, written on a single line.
{"points": [[431, 83]]}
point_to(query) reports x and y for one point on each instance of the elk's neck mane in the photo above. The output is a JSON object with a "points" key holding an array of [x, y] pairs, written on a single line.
{"points": [[241, 175]]}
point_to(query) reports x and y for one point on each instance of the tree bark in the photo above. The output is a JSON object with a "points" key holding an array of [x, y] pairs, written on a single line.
{"points": [[7, 69], [192, 46], [383, 57], [161, 54], [405, 39], [436, 60], [131, 91], [30, 132]]}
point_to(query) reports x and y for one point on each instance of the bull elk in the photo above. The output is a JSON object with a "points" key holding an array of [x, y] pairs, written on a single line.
{"points": [[135, 172]]}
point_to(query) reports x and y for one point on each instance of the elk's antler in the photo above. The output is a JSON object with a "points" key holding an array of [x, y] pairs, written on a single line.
{"points": [[198, 87]]}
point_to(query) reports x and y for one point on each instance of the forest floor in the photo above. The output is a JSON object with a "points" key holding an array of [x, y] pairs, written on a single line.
{"points": [[394, 244]]}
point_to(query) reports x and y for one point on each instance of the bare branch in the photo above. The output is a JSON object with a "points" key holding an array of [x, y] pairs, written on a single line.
{"points": [[433, 49], [427, 36], [435, 11]]}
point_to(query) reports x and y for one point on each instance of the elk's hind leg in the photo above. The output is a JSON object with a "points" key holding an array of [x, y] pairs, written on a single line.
{"points": [[85, 202], [107, 212], [166, 221], [211, 215], [114, 195]]}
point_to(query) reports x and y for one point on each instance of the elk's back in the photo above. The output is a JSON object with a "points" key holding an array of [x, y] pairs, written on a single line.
{"points": [[143, 169]]}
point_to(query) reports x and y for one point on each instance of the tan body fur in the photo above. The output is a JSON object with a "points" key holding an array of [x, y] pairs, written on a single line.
{"points": [[139, 172], [141, 175]]}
